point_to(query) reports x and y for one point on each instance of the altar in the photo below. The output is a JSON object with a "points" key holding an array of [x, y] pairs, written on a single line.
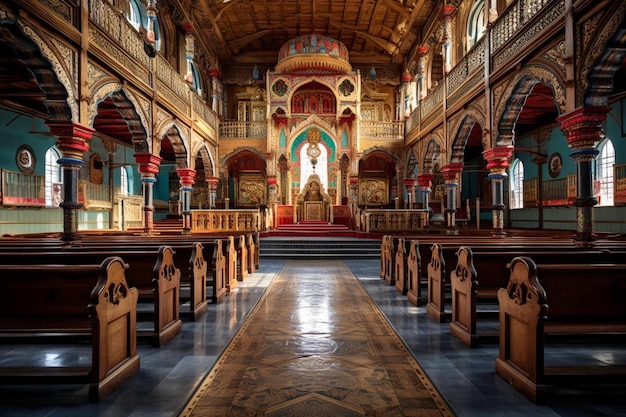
{"points": [[313, 203]]}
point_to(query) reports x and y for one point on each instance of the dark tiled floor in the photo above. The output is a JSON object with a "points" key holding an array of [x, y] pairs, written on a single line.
{"points": [[168, 375]]}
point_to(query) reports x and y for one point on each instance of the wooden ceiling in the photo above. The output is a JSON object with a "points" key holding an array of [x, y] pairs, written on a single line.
{"points": [[252, 31]]}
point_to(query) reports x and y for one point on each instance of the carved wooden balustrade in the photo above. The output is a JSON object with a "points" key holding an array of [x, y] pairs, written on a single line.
{"points": [[387, 220], [210, 221], [18, 189]]}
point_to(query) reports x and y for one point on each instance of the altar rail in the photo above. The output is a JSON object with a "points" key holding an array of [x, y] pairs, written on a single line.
{"points": [[383, 221], [210, 221]]}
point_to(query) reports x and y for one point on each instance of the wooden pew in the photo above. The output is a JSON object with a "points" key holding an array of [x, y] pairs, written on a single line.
{"points": [[253, 252], [401, 265], [183, 246], [187, 255], [439, 282], [385, 256], [541, 300], [415, 277], [93, 301], [480, 273], [151, 271], [243, 262], [435, 307]]}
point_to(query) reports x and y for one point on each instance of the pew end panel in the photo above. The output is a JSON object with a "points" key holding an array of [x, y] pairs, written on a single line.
{"points": [[114, 346], [253, 254], [197, 273], [230, 255], [414, 274], [435, 308], [242, 258], [219, 273], [167, 323], [464, 286], [400, 266]]}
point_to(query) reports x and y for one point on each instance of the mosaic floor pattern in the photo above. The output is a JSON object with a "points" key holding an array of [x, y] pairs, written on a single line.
{"points": [[316, 350]]}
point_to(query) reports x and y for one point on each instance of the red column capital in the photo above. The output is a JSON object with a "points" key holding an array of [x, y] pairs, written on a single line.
{"points": [[498, 158], [72, 138], [148, 163], [451, 171], [424, 180], [582, 127], [186, 176]]}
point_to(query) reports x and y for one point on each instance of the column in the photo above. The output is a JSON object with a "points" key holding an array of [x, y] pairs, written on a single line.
{"points": [[73, 141], [451, 176], [189, 52], [212, 182], [425, 182], [407, 96], [582, 128], [186, 177], [148, 168], [409, 185], [214, 74], [354, 197], [497, 163], [447, 13], [272, 182], [421, 71]]}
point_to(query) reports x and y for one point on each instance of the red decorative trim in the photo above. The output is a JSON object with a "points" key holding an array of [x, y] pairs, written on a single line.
{"points": [[582, 127], [148, 163], [186, 175]]}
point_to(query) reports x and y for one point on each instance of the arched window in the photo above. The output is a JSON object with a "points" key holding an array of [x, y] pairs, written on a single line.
{"points": [[54, 178], [476, 23], [321, 167], [123, 181], [604, 171], [134, 14], [139, 16], [196, 82], [516, 184]]}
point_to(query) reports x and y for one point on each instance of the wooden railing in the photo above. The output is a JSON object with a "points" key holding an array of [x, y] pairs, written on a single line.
{"points": [[383, 221], [211, 221], [378, 130], [18, 189], [531, 192], [130, 208], [619, 184], [250, 130], [94, 196]]}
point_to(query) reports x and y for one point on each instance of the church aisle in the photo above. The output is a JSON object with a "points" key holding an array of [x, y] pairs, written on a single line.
{"points": [[316, 345]]}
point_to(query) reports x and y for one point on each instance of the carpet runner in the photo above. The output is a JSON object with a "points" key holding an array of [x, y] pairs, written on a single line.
{"points": [[316, 345]]}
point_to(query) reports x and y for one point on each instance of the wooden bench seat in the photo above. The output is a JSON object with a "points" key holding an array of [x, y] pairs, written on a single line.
{"points": [[92, 301], [151, 271], [446, 254], [480, 273], [540, 300], [182, 244]]}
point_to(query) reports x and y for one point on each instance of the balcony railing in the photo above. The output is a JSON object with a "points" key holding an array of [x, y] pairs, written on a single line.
{"points": [[249, 130], [376, 130], [20, 189]]}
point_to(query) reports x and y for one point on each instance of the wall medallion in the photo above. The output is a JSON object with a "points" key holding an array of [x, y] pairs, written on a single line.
{"points": [[555, 164], [25, 159]]}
